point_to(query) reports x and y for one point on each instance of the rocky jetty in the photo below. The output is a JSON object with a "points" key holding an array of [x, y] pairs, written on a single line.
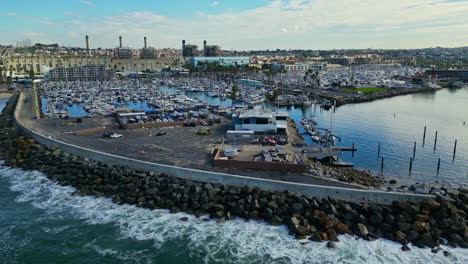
{"points": [[342, 100], [348, 175], [426, 224]]}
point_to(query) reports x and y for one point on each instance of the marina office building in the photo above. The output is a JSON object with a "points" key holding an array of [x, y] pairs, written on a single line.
{"points": [[260, 121]]}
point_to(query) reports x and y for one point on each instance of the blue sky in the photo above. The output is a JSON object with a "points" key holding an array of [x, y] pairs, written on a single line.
{"points": [[240, 24]]}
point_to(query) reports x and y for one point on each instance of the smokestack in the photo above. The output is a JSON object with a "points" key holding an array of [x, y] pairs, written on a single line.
{"points": [[204, 48], [120, 42], [183, 44], [88, 45], [146, 46]]}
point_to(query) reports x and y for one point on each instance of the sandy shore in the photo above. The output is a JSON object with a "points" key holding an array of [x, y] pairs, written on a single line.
{"points": [[5, 95]]}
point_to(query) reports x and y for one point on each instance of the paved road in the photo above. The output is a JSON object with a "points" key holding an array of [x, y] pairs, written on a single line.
{"points": [[180, 147]]}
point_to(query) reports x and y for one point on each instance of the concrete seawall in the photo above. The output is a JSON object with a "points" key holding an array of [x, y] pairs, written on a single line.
{"points": [[215, 177]]}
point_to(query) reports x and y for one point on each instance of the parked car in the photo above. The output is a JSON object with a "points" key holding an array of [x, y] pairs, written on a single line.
{"points": [[111, 135], [116, 135]]}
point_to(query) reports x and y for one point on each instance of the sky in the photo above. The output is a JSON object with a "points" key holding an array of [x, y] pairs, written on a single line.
{"points": [[239, 24]]}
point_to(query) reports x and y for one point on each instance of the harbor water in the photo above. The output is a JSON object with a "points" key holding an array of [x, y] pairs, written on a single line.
{"points": [[41, 222], [396, 123]]}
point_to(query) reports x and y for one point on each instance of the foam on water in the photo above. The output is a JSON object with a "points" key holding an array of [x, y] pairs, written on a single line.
{"points": [[205, 241]]}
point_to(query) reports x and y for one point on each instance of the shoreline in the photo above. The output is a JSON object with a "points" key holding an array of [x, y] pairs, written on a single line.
{"points": [[305, 216]]}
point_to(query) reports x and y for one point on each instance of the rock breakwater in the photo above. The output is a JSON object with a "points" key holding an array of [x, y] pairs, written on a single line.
{"points": [[342, 100], [426, 224]]}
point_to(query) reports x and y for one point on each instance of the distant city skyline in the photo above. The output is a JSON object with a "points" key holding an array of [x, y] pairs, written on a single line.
{"points": [[242, 25]]}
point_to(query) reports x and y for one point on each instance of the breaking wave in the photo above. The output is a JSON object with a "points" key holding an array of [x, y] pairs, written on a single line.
{"points": [[237, 241]]}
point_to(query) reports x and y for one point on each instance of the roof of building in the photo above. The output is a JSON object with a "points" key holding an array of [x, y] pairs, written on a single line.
{"points": [[261, 113]]}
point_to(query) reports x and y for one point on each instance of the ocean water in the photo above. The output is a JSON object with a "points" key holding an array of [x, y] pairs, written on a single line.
{"points": [[41, 222]]}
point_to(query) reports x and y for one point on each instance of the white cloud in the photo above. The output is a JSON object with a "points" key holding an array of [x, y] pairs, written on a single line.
{"points": [[215, 3], [323, 24], [88, 3]]}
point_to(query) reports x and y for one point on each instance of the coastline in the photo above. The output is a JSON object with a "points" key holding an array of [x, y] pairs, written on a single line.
{"points": [[306, 217]]}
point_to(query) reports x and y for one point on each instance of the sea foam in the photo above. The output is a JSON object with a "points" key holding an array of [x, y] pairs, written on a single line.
{"points": [[237, 241]]}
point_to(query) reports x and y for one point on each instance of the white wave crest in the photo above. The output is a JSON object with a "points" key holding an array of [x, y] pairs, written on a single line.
{"points": [[237, 241]]}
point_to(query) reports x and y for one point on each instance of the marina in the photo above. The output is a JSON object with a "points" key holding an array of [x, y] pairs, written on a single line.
{"points": [[166, 101]]}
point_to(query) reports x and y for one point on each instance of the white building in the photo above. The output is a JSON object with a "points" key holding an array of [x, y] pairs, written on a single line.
{"points": [[260, 121], [300, 67]]}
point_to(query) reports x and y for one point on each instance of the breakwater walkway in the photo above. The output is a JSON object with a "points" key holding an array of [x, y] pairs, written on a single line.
{"points": [[26, 124]]}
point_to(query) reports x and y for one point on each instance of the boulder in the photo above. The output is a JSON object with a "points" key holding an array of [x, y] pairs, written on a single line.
{"points": [[273, 205], [404, 226], [419, 226], [405, 248], [301, 230], [297, 208], [412, 235], [431, 204], [276, 220], [361, 230], [316, 237], [400, 236], [375, 218], [427, 240], [332, 236], [342, 229]]}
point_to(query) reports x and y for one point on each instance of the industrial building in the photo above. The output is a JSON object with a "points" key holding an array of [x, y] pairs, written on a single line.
{"points": [[122, 60], [81, 73], [121, 52], [224, 61], [189, 50], [146, 52], [211, 50]]}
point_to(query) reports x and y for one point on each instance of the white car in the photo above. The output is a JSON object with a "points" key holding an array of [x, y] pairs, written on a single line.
{"points": [[115, 135]]}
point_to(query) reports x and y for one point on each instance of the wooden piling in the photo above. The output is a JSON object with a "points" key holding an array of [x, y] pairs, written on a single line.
{"points": [[382, 164], [435, 140], [454, 149], [378, 150], [410, 165], [438, 166], [424, 135], [414, 149]]}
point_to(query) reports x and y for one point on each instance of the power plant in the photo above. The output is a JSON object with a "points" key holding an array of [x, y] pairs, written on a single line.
{"points": [[211, 50], [189, 50], [147, 53], [208, 50], [121, 52]]}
